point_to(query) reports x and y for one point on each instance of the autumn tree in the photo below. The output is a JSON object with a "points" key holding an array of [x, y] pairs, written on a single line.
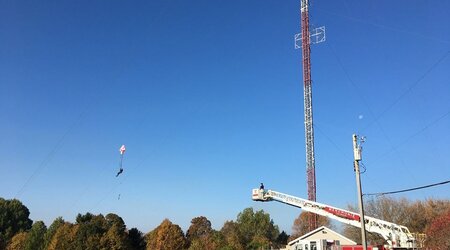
{"points": [[438, 233], [230, 232], [52, 230], [200, 235], [384, 208], [414, 215], [35, 238], [65, 237], [167, 236], [301, 224], [18, 241], [13, 219], [200, 228]]}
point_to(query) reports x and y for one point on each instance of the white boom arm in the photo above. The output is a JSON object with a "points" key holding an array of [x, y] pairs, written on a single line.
{"points": [[397, 236]]}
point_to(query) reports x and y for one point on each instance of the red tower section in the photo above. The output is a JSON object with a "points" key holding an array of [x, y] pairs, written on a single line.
{"points": [[309, 130]]}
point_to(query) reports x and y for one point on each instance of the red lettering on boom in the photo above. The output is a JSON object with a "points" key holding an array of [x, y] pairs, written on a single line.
{"points": [[342, 214]]}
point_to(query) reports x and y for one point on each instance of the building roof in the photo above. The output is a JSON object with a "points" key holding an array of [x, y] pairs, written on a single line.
{"points": [[315, 231]]}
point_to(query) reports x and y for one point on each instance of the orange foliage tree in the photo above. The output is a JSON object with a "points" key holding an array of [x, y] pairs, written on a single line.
{"points": [[438, 233]]}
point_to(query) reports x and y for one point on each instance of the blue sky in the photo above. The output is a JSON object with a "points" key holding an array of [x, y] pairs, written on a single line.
{"points": [[207, 96]]}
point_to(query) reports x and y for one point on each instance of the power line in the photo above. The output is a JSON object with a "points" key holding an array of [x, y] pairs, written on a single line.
{"points": [[382, 26], [59, 144], [355, 86], [433, 66], [394, 148], [410, 189]]}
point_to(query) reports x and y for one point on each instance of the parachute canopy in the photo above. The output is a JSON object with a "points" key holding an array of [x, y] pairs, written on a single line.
{"points": [[122, 149]]}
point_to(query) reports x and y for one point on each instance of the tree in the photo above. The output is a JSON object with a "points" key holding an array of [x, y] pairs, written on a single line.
{"points": [[90, 230], [167, 236], [116, 236], [52, 230], [18, 241], [282, 239], [115, 239], [438, 233], [65, 237], [200, 235], [414, 215], [136, 239], [256, 230], [13, 219], [230, 232], [373, 208], [301, 224], [35, 238], [114, 219], [200, 228]]}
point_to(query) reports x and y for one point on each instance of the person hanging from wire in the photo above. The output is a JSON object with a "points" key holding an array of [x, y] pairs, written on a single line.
{"points": [[122, 152]]}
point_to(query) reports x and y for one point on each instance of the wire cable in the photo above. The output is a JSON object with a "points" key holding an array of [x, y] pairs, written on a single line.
{"points": [[395, 148], [382, 26], [428, 71], [59, 144], [410, 189]]}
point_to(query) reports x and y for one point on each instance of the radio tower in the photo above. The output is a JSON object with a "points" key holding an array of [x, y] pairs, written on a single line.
{"points": [[309, 130]]}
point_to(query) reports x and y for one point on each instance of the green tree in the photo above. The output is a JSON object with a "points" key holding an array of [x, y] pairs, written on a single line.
{"points": [[301, 224], [91, 229], [52, 230], [136, 239], [116, 237], [256, 230], [13, 219], [282, 239], [18, 241], [114, 219], [167, 236], [35, 238]]}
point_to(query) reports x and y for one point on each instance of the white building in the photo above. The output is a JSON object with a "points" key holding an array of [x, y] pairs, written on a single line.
{"points": [[321, 238]]}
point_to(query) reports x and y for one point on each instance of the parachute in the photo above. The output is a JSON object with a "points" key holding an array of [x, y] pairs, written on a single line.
{"points": [[122, 152]]}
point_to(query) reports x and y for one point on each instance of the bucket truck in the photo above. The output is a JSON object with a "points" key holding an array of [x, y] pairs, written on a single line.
{"points": [[397, 236]]}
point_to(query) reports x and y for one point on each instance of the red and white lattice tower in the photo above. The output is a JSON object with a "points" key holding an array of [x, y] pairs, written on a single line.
{"points": [[309, 130]]}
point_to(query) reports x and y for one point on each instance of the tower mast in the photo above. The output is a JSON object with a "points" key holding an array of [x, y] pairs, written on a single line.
{"points": [[309, 130]]}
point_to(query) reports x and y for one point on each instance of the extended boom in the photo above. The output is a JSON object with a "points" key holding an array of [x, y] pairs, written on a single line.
{"points": [[397, 236]]}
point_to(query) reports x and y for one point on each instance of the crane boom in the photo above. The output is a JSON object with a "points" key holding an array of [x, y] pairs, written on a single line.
{"points": [[397, 236]]}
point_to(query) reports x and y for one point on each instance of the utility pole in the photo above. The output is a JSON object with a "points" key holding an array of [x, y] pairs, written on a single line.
{"points": [[357, 155]]}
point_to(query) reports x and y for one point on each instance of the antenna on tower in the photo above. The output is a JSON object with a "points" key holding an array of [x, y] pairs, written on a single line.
{"points": [[317, 35]]}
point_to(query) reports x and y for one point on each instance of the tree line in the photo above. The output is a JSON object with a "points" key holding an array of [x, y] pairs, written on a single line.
{"points": [[430, 217], [251, 230]]}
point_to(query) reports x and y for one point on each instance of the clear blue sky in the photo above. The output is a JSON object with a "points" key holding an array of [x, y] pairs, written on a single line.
{"points": [[207, 96]]}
